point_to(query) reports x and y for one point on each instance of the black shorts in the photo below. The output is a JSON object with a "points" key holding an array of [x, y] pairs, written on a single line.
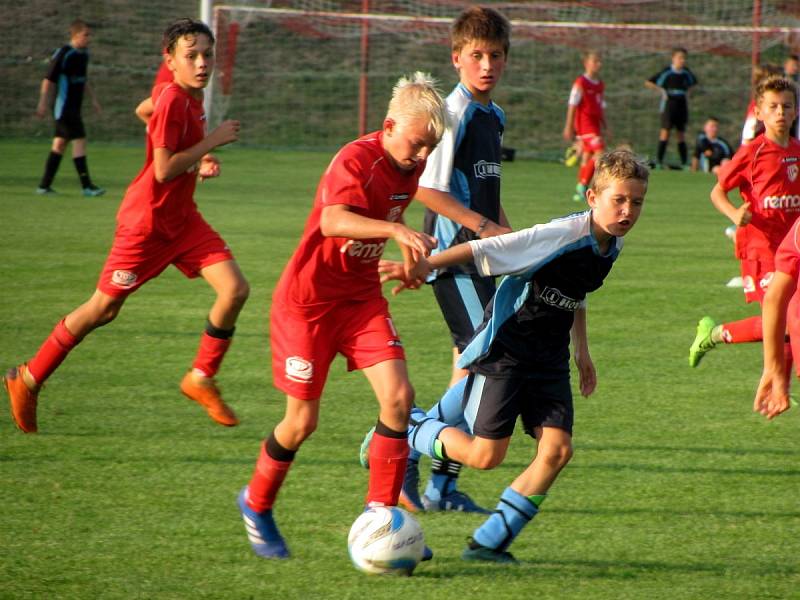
{"points": [[675, 115], [463, 299], [70, 127], [492, 405]]}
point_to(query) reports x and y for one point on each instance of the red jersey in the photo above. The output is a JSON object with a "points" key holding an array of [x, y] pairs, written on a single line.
{"points": [[178, 123], [767, 176], [587, 97], [164, 75], [324, 269]]}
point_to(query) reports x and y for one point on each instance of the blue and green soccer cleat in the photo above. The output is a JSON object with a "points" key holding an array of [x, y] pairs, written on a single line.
{"points": [[702, 341], [475, 552]]}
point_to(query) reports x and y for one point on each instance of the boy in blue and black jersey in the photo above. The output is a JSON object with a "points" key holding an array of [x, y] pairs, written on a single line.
{"points": [[674, 83], [63, 87], [518, 360]]}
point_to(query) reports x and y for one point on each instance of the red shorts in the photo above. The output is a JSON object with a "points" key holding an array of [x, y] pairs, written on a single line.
{"points": [[591, 143], [304, 347], [756, 275], [137, 257]]}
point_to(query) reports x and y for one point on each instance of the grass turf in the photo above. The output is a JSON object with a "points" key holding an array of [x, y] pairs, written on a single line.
{"points": [[677, 490]]}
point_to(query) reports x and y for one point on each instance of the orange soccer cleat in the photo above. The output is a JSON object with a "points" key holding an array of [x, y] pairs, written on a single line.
{"points": [[22, 399], [208, 396]]}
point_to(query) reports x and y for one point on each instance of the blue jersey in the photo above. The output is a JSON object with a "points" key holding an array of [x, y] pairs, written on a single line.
{"points": [[466, 165], [68, 67], [550, 268]]}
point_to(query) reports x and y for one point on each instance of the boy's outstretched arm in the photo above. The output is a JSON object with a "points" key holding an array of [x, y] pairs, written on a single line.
{"points": [[739, 216], [168, 165], [580, 347], [772, 395], [444, 204]]}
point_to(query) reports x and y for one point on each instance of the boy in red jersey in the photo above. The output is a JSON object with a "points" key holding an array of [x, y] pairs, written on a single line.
{"points": [[329, 301], [158, 224], [586, 119], [766, 171]]}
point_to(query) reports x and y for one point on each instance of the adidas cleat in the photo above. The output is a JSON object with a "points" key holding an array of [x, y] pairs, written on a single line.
{"points": [[409, 493], [475, 552], [454, 501], [21, 399], [46, 191], [363, 452], [208, 396], [265, 539], [702, 341], [93, 191]]}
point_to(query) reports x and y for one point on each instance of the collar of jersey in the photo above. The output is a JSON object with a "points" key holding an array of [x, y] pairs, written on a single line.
{"points": [[488, 107]]}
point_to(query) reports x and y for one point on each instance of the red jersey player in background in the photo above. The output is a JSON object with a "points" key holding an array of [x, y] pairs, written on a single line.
{"points": [[158, 224], [767, 173], [329, 301], [586, 119]]}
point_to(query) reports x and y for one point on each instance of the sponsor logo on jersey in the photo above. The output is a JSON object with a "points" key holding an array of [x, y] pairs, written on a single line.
{"points": [[765, 281], [554, 297], [748, 285], [791, 171], [299, 369], [362, 250], [398, 197], [123, 279], [394, 213], [395, 343], [485, 169], [785, 202]]}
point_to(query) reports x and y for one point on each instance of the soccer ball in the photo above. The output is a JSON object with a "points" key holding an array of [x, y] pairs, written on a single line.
{"points": [[384, 540]]}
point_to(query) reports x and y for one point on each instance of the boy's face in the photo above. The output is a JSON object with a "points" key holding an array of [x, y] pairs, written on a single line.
{"points": [[791, 67], [408, 142], [192, 61], [592, 64], [679, 60], [616, 209], [711, 128], [777, 111], [480, 65], [81, 39]]}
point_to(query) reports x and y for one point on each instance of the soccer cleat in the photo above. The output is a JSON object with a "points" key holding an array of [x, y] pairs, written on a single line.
{"points": [[409, 493], [91, 191], [22, 400], [570, 157], [474, 551], [262, 532], [456, 501], [702, 341], [363, 452], [427, 554], [208, 396], [577, 198], [46, 191]]}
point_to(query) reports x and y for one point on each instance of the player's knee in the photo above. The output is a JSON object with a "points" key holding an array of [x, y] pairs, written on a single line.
{"points": [[300, 429], [487, 458], [396, 405], [237, 293], [556, 456], [107, 313]]}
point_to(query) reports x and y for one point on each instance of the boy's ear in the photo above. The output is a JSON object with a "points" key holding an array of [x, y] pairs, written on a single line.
{"points": [[456, 57], [591, 198], [388, 126]]}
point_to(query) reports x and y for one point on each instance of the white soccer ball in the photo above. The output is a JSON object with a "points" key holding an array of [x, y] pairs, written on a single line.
{"points": [[385, 540]]}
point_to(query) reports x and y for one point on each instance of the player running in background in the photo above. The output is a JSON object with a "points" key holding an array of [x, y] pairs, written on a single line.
{"points": [[158, 224], [752, 126], [767, 173], [586, 119], [518, 361], [710, 150], [329, 301], [674, 83], [66, 82]]}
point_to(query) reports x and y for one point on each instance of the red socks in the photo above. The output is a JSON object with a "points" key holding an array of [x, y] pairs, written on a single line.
{"points": [[387, 467], [210, 354], [742, 332], [585, 172], [266, 481], [52, 353]]}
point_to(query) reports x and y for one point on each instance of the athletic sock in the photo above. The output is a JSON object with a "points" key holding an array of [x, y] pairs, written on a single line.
{"points": [[444, 475], [50, 169], [740, 332], [423, 433], [513, 512], [52, 353], [214, 343], [683, 152], [388, 454], [83, 171], [662, 150], [450, 409], [585, 172], [271, 469]]}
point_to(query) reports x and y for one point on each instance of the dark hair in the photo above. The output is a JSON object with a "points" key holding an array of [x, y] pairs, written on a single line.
{"points": [[182, 28], [677, 49], [777, 85], [794, 57], [480, 23], [712, 118], [77, 26]]}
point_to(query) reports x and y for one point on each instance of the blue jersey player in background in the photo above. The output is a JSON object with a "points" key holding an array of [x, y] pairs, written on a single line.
{"points": [[464, 166], [518, 360], [63, 88]]}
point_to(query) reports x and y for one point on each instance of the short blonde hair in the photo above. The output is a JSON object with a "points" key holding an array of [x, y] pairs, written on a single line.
{"points": [[775, 84], [618, 165], [418, 97]]}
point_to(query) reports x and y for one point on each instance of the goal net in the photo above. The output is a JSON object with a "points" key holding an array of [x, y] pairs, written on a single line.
{"points": [[312, 74]]}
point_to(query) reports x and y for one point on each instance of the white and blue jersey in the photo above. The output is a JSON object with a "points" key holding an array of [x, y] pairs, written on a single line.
{"points": [[68, 67], [466, 165], [550, 269]]}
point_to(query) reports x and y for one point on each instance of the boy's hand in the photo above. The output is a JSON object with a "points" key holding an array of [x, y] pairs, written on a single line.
{"points": [[742, 215], [97, 108], [209, 167], [772, 395], [41, 110], [568, 134], [392, 270], [420, 244], [492, 229], [588, 375], [226, 133]]}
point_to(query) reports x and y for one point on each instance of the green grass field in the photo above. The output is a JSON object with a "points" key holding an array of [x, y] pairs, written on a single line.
{"points": [[677, 490]]}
